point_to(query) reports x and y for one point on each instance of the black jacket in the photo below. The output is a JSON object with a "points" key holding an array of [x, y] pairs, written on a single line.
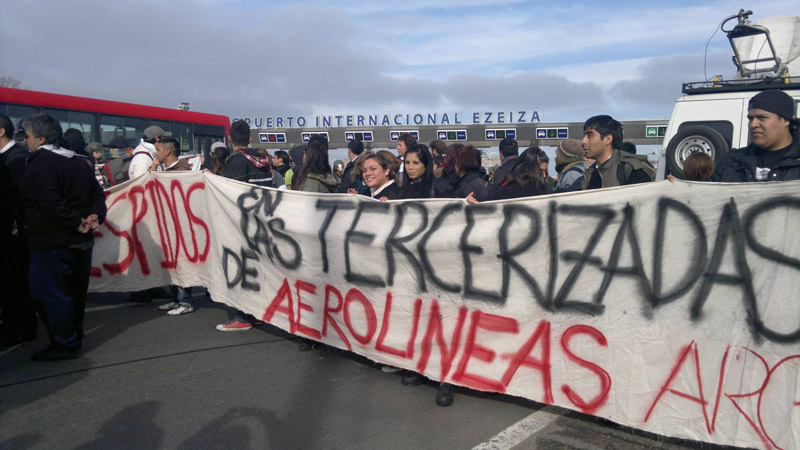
{"points": [[471, 182], [502, 171], [516, 190], [57, 193], [739, 166], [439, 189], [391, 192], [347, 178], [242, 168], [16, 160]]}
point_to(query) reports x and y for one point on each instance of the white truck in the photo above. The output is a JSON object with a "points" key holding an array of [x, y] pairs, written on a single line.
{"points": [[711, 116]]}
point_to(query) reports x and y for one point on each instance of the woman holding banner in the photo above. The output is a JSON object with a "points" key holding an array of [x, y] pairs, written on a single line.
{"points": [[380, 177], [418, 178]]}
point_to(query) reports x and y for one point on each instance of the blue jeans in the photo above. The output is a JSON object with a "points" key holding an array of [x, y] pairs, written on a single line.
{"points": [[59, 279], [181, 295]]}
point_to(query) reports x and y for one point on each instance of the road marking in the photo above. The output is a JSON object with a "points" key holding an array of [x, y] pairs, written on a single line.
{"points": [[119, 305], [13, 347], [522, 430]]}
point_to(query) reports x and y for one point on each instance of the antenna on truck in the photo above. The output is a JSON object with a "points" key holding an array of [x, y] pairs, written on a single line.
{"points": [[744, 37]]}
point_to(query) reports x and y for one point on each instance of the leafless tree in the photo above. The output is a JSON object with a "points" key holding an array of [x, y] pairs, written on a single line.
{"points": [[11, 82]]}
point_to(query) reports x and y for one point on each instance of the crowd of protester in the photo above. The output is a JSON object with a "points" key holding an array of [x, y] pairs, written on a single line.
{"points": [[52, 202]]}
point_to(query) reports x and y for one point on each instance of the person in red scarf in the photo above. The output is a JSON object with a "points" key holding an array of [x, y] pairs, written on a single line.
{"points": [[246, 164]]}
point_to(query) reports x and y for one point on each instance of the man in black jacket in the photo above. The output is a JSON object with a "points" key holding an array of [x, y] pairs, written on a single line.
{"points": [[354, 148], [774, 153], [246, 164], [16, 309], [509, 152], [602, 138], [64, 204]]}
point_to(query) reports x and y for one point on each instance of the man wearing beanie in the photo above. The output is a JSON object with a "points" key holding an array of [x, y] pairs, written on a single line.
{"points": [[774, 151], [569, 165]]}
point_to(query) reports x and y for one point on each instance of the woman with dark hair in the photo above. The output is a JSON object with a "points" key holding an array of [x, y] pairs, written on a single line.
{"points": [[467, 161], [315, 176], [698, 167], [418, 178], [379, 175], [280, 162], [219, 158], [449, 165], [544, 163], [526, 179]]}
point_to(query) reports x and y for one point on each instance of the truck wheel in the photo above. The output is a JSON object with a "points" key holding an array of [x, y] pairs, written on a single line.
{"points": [[693, 139]]}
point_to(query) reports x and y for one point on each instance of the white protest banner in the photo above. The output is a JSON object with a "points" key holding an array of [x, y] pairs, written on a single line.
{"points": [[669, 307]]}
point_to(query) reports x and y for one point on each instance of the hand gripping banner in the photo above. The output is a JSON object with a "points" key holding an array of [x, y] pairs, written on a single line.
{"points": [[669, 307]]}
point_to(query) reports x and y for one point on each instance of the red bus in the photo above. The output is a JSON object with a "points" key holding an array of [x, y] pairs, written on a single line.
{"points": [[102, 120]]}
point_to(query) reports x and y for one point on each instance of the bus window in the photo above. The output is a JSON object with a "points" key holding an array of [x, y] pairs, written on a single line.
{"points": [[180, 131], [202, 143], [131, 128], [16, 112], [74, 119]]}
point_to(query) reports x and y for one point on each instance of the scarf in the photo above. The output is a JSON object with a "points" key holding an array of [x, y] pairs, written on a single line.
{"points": [[59, 150], [258, 161]]}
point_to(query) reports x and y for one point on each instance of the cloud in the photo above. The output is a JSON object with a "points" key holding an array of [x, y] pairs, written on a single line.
{"points": [[660, 79], [243, 58]]}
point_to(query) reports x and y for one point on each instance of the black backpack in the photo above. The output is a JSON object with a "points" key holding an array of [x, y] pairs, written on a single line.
{"points": [[116, 171]]}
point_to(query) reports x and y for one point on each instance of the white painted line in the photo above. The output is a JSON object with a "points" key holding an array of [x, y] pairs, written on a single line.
{"points": [[9, 349], [522, 430], [93, 329], [120, 305]]}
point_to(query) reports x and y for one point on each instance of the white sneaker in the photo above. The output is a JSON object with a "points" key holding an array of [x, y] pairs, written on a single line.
{"points": [[390, 369], [183, 308], [169, 305]]}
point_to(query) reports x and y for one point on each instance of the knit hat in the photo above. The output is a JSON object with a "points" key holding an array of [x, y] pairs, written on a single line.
{"points": [[774, 101], [568, 151], [94, 147], [119, 142]]}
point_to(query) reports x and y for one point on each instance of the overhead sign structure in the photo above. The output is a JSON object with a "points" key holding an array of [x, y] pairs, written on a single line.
{"points": [[451, 135], [652, 131], [455, 118], [552, 133], [500, 134], [394, 135], [363, 136], [307, 136], [272, 138]]}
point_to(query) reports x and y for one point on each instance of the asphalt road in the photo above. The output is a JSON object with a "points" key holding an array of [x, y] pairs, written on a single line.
{"points": [[146, 380]]}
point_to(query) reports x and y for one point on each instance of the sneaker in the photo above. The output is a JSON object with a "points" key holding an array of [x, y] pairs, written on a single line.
{"points": [[55, 352], [183, 308], [411, 378], [390, 369], [167, 306], [234, 325], [445, 395]]}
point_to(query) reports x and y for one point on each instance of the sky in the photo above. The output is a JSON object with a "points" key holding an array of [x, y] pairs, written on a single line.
{"points": [[242, 58]]}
